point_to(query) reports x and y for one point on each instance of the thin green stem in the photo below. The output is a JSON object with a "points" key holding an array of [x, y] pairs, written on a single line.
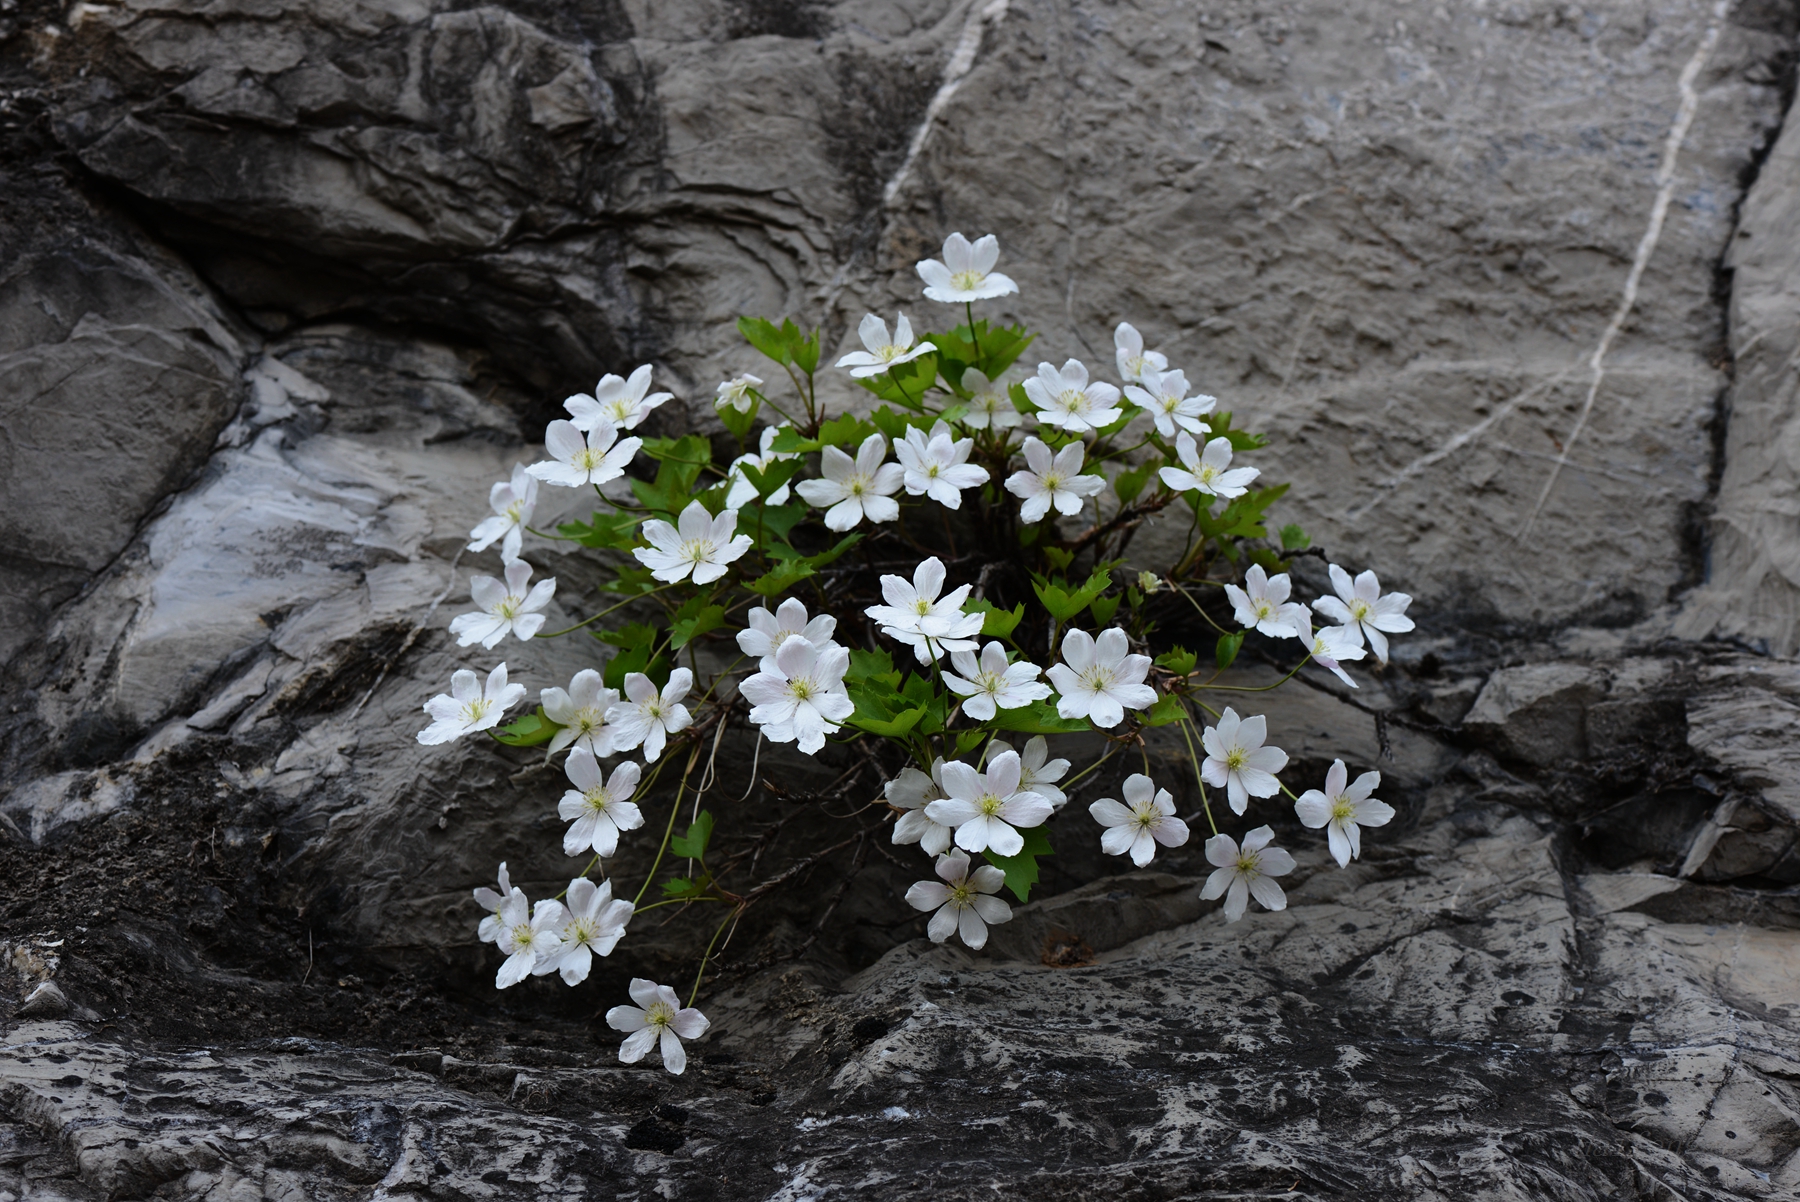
{"points": [[1199, 610], [710, 944], [621, 605], [669, 831], [1258, 688], [969, 308], [1187, 727], [675, 901], [1066, 785]]}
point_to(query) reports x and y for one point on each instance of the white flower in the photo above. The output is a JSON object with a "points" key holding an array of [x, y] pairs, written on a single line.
{"points": [[648, 718], [1330, 645], [1134, 361], [914, 614], [742, 491], [467, 707], [803, 699], [599, 809], [768, 631], [506, 608], [1100, 679], [529, 940], [1164, 394], [992, 684], [1038, 773], [1065, 398], [578, 461], [855, 489], [1237, 761], [989, 402], [495, 904], [986, 809], [914, 792], [513, 502], [735, 392], [1209, 471], [964, 901], [617, 402], [1262, 604], [937, 465], [581, 712], [1137, 827], [1363, 611], [1243, 874], [661, 1015], [883, 352], [592, 927], [1344, 811], [967, 271], [1045, 481], [703, 545]]}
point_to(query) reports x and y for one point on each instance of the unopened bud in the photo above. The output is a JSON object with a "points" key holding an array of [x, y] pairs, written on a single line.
{"points": [[1148, 582]]}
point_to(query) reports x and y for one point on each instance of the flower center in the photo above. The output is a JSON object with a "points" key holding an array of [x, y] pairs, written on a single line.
{"points": [[587, 459], [890, 352], [1264, 608], [1095, 679], [516, 511], [1343, 809], [1206, 473], [476, 710], [698, 551], [581, 930], [922, 607], [1246, 864], [801, 690], [522, 935], [933, 471], [1073, 401], [589, 720], [967, 281], [1052, 482], [1359, 609], [989, 805], [1146, 819], [857, 486], [653, 710], [1234, 759], [619, 411], [598, 799], [509, 608], [659, 1014], [961, 895]]}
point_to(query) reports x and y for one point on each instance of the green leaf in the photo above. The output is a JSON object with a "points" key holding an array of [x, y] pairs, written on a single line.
{"points": [[1103, 609], [1063, 604], [685, 627], [892, 728], [629, 579], [846, 431], [905, 384], [784, 576], [632, 634], [767, 480], [1227, 649], [776, 520], [998, 623], [968, 740], [1294, 539], [1177, 659], [1039, 718], [1168, 708], [692, 846], [529, 731], [683, 888], [1022, 870], [741, 422], [806, 353], [616, 530], [1059, 558], [1129, 484], [765, 337], [825, 557]]}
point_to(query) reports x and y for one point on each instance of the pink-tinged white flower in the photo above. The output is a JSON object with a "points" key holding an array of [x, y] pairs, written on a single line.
{"points": [[913, 792], [1047, 481], [736, 393], [1164, 396], [742, 491], [1067, 398], [529, 940], [1100, 679], [513, 502], [598, 809], [916, 616], [1364, 612], [1243, 873], [616, 402], [661, 1017], [506, 607], [1237, 761], [703, 545], [1038, 773], [1343, 810], [646, 717], [768, 631], [990, 404], [576, 461], [1330, 646], [581, 712], [964, 900], [803, 699], [883, 352], [1134, 361], [1263, 605], [1208, 471], [937, 465], [1146, 818], [966, 272], [468, 707], [495, 905], [987, 809], [592, 926], [855, 488], [990, 684]]}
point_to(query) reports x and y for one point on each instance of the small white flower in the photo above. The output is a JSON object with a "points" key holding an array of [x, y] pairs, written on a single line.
{"points": [[914, 792], [703, 545], [991, 684], [662, 1015], [574, 461], [593, 926], [916, 616], [855, 488], [495, 905], [1038, 773], [883, 352], [1329, 646], [1164, 395], [1209, 471], [598, 809], [1344, 810], [513, 502], [1100, 679], [989, 402], [506, 608], [1134, 361], [1147, 818], [735, 392], [647, 718], [1246, 873], [742, 491], [768, 631], [963, 900], [1262, 604], [1363, 611], [1067, 399], [581, 712], [1237, 761], [529, 940], [987, 809], [967, 271], [803, 699], [937, 465], [616, 402], [1047, 481], [468, 707]]}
